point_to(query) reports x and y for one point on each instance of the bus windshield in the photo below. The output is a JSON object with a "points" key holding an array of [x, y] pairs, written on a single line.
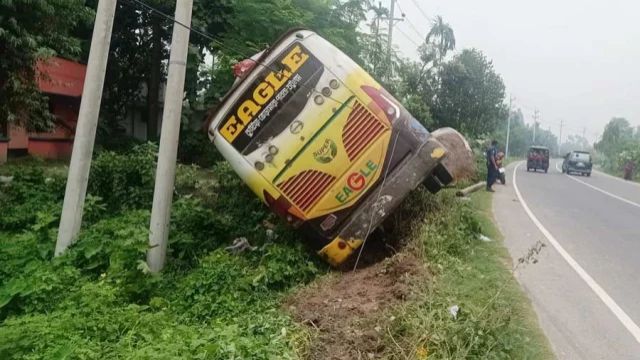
{"points": [[273, 100]]}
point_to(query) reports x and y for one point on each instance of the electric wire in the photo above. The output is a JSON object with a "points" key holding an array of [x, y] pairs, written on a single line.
{"points": [[421, 11], [406, 18], [407, 37], [211, 38], [227, 47], [378, 197]]}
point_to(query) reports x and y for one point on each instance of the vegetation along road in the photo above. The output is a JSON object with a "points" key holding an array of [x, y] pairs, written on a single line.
{"points": [[584, 286]]}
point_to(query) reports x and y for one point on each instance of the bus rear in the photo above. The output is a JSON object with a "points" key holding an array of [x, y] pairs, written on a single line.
{"points": [[323, 144]]}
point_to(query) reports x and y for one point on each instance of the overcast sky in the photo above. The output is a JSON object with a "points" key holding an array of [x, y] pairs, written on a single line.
{"points": [[575, 60]]}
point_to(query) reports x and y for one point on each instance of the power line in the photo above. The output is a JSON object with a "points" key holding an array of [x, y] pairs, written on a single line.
{"points": [[408, 37], [225, 46], [413, 27], [421, 11]]}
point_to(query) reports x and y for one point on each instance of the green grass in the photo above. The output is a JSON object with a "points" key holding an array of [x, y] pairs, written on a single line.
{"points": [[495, 320], [50, 167], [619, 174], [98, 300]]}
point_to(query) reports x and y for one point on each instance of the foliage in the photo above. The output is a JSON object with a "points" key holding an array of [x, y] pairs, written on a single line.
{"points": [[31, 31], [620, 143], [124, 181], [495, 320], [521, 136], [470, 96], [575, 142], [29, 195], [196, 148], [98, 300]]}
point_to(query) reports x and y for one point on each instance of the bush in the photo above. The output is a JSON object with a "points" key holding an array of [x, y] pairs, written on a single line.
{"points": [[196, 148], [124, 181], [98, 299], [29, 194]]}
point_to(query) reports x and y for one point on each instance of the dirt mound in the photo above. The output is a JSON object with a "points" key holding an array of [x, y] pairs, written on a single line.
{"points": [[459, 160], [346, 309]]}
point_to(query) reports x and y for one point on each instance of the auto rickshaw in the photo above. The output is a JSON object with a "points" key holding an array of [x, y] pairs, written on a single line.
{"points": [[538, 158]]}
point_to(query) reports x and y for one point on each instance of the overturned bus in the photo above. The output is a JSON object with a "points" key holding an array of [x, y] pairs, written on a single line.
{"points": [[322, 143]]}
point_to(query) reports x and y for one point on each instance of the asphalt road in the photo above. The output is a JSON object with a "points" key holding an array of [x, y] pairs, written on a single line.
{"points": [[585, 287]]}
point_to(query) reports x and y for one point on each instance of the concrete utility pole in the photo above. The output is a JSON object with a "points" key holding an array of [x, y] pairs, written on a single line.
{"points": [[506, 146], [536, 114], [390, 35], [85, 135], [560, 138], [166, 171], [391, 20]]}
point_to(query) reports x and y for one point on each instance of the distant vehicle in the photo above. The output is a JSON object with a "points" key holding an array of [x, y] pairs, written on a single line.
{"points": [[538, 158], [577, 162]]}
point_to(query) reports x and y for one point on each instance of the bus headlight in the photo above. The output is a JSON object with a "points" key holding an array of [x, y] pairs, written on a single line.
{"points": [[259, 165], [334, 84], [318, 99], [273, 149]]}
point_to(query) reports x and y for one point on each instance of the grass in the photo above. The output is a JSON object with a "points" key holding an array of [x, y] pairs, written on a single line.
{"points": [[99, 301], [495, 319], [619, 174]]}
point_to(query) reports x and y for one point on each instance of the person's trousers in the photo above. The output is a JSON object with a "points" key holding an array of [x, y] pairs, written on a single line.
{"points": [[491, 175]]}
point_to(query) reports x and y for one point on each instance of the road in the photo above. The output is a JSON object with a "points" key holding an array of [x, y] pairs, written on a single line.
{"points": [[585, 286]]}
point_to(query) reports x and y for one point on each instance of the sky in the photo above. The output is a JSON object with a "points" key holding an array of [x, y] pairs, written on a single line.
{"points": [[576, 61]]}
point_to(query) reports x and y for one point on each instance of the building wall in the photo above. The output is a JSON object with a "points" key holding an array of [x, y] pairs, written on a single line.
{"points": [[18, 138]]}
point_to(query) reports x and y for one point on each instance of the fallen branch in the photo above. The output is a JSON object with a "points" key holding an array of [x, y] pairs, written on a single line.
{"points": [[473, 188]]}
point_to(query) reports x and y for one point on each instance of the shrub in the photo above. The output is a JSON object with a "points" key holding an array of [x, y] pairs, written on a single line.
{"points": [[196, 148], [30, 193], [124, 181]]}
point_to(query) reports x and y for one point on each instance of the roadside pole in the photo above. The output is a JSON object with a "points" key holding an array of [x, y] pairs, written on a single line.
{"points": [[85, 134], [536, 114], [560, 139], [391, 19], [506, 147], [165, 173]]}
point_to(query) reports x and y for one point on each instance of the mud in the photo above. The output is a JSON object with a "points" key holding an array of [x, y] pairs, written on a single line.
{"points": [[347, 311]]}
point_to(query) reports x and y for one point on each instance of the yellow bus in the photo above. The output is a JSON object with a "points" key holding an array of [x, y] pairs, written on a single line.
{"points": [[322, 143]]}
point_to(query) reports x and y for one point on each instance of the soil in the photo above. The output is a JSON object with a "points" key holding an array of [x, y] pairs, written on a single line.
{"points": [[347, 310]]}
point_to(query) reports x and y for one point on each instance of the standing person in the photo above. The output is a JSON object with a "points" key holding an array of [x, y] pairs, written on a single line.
{"points": [[628, 170], [492, 167], [500, 174]]}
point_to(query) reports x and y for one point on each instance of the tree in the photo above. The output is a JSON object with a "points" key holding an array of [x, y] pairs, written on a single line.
{"points": [[617, 133], [470, 96], [618, 144], [439, 41], [31, 31], [575, 142], [252, 25], [138, 55]]}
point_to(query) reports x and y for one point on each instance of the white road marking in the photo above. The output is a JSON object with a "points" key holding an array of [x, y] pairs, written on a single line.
{"points": [[626, 321], [602, 191], [617, 178]]}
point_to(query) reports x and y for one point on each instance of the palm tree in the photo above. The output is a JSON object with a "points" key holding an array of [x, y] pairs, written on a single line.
{"points": [[441, 38], [438, 42]]}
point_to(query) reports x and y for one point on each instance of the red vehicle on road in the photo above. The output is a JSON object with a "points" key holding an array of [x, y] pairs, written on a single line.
{"points": [[538, 158]]}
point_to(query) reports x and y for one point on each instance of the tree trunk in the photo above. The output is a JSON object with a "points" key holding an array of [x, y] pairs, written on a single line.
{"points": [[153, 93]]}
